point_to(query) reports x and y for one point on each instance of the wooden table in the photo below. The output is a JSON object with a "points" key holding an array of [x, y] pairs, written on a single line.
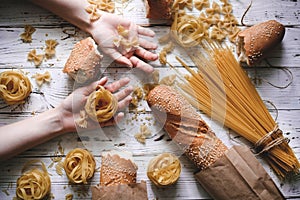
{"points": [[14, 15]]}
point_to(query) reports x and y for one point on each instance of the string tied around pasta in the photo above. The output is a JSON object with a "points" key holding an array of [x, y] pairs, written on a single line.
{"points": [[267, 142]]}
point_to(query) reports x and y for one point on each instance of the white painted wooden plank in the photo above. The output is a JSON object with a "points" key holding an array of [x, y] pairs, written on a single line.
{"points": [[18, 13], [14, 52], [14, 13]]}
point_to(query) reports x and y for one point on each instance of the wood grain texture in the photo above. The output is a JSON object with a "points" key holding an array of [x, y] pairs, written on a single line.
{"points": [[14, 15]]}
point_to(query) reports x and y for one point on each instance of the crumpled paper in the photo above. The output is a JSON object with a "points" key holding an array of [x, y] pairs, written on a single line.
{"points": [[133, 191], [238, 175]]}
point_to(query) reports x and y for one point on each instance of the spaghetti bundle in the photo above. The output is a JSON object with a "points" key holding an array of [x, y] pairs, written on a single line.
{"points": [[15, 87], [222, 89], [79, 165], [34, 184]]}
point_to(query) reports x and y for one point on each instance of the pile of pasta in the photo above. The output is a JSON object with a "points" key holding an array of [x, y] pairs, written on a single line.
{"points": [[34, 183], [15, 87], [101, 105], [164, 169], [79, 165]]}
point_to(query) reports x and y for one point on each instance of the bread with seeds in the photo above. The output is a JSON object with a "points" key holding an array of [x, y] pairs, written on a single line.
{"points": [[83, 63], [185, 126], [117, 168], [159, 9], [254, 43]]}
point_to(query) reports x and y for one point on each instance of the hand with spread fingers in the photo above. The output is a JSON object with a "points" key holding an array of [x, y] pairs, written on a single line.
{"points": [[123, 40], [74, 103], [105, 30]]}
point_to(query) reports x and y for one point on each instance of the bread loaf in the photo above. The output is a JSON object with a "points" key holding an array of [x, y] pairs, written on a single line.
{"points": [[83, 63], [158, 9], [254, 43], [185, 126], [117, 168]]}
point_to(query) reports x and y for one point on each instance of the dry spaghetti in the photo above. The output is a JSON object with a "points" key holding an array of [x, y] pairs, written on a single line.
{"points": [[34, 184], [101, 105], [79, 165], [15, 87], [223, 90], [164, 169]]}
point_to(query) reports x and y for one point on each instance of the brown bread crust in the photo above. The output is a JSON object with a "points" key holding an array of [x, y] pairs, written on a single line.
{"points": [[256, 42], [158, 9], [116, 170], [185, 126], [83, 63]]}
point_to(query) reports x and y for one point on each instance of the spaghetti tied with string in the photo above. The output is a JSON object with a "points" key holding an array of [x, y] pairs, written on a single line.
{"points": [[221, 88]]}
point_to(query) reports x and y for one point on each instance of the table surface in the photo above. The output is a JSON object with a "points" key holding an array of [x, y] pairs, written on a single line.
{"points": [[14, 15]]}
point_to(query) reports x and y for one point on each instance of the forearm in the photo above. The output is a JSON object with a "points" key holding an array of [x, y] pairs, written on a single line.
{"points": [[72, 11], [25, 134]]}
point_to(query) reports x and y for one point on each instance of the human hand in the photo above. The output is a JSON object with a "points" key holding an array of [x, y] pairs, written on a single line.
{"points": [[104, 31], [75, 102]]}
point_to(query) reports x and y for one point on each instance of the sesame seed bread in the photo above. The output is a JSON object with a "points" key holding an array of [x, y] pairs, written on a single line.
{"points": [[185, 126], [117, 168], [83, 63], [254, 43], [158, 9]]}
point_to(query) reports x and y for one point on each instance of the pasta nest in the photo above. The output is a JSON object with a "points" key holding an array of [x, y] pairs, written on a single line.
{"points": [[34, 184], [79, 165], [164, 169], [187, 30], [15, 87], [101, 105]]}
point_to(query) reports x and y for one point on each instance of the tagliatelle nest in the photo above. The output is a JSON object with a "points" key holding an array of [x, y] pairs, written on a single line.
{"points": [[101, 105], [15, 87], [34, 184], [79, 165], [164, 169]]}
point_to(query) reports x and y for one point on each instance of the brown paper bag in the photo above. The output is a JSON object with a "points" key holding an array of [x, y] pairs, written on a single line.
{"points": [[133, 191], [238, 175]]}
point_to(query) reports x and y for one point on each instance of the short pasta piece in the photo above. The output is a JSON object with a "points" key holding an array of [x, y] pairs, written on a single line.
{"points": [[27, 35], [50, 48], [15, 87], [37, 59], [42, 78], [79, 165]]}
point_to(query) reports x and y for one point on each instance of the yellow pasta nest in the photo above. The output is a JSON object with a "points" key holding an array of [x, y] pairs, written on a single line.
{"points": [[34, 184], [164, 169], [101, 105], [79, 165], [15, 87]]}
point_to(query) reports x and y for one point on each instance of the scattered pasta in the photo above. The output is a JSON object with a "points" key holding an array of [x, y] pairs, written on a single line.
{"points": [[101, 105], [96, 5], [26, 36], [15, 87], [34, 184], [124, 42], [50, 48], [37, 59], [79, 165], [164, 169], [143, 134], [42, 78]]}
